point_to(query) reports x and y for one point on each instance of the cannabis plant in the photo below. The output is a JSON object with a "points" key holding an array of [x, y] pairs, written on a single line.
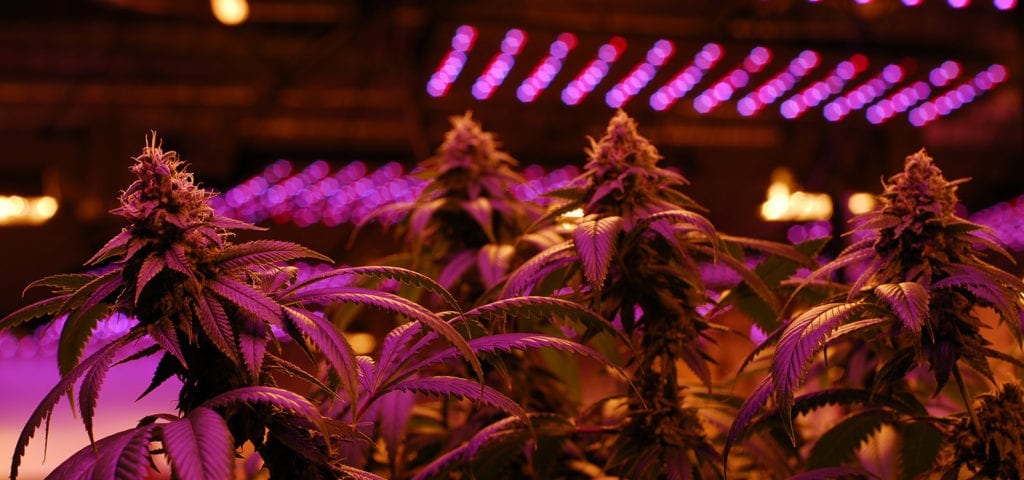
{"points": [[216, 312], [465, 226], [635, 257], [910, 320]]}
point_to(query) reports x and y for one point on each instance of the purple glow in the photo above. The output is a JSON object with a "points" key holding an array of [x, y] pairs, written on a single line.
{"points": [[912, 3], [594, 72], [737, 78], [955, 98], [959, 3], [642, 73], [687, 77], [545, 71], [496, 71], [821, 90], [1004, 4], [451, 65], [863, 94], [772, 89]]}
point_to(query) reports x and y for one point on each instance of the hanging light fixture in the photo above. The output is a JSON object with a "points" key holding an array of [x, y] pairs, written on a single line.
{"points": [[230, 12]]}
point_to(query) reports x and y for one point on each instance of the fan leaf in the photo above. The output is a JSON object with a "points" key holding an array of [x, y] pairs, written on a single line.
{"points": [[908, 300], [325, 337], [262, 252], [493, 261], [522, 280], [247, 298], [801, 339], [445, 386], [278, 397], [102, 358], [595, 242], [841, 442], [199, 446]]}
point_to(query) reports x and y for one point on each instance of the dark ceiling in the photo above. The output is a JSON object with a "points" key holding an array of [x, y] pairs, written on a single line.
{"points": [[82, 82]]}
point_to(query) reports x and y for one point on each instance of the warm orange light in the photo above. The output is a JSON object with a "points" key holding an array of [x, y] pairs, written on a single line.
{"points": [[18, 210], [860, 203], [230, 12], [362, 343], [785, 204]]}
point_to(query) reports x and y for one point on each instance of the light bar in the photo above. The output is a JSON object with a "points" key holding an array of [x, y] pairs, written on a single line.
{"points": [[955, 98], [769, 91], [545, 71], [863, 94], [641, 75], [898, 102], [451, 65], [821, 90], [594, 72], [496, 71], [723, 89], [687, 78]]}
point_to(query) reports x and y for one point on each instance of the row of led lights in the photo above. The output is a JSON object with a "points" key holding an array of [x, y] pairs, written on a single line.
{"points": [[315, 195], [863, 96], [999, 4]]}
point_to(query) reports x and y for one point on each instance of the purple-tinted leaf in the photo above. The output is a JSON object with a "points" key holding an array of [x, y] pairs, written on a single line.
{"points": [[854, 327], [395, 347], [153, 265], [414, 311], [420, 218], [228, 223], [285, 399], [684, 218], [548, 308], [521, 281], [76, 333], [406, 276], [513, 432], [482, 212], [697, 362], [215, 323], [493, 261], [867, 276], [31, 312], [750, 278], [102, 358], [858, 251], [325, 337], [62, 283], [772, 248], [908, 300], [261, 252], [111, 248], [178, 261], [455, 268], [507, 342], [252, 341], [130, 458], [165, 335], [753, 404], [677, 465], [199, 446], [394, 410], [801, 339], [595, 244], [89, 393], [85, 463], [247, 298], [445, 386]]}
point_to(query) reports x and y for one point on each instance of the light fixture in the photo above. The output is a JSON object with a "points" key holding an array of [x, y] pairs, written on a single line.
{"points": [[230, 12], [784, 203], [18, 210]]}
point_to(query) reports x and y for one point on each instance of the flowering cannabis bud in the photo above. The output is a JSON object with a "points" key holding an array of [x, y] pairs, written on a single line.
{"points": [[466, 159], [165, 206], [999, 451], [623, 175], [920, 195]]}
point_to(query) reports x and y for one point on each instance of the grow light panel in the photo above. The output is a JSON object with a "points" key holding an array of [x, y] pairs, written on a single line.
{"points": [[641, 75], [594, 72], [834, 92], [688, 77], [769, 91], [736, 79], [451, 65], [547, 69], [496, 71]]}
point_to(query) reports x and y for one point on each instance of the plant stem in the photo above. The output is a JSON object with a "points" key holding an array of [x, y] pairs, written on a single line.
{"points": [[975, 424]]}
